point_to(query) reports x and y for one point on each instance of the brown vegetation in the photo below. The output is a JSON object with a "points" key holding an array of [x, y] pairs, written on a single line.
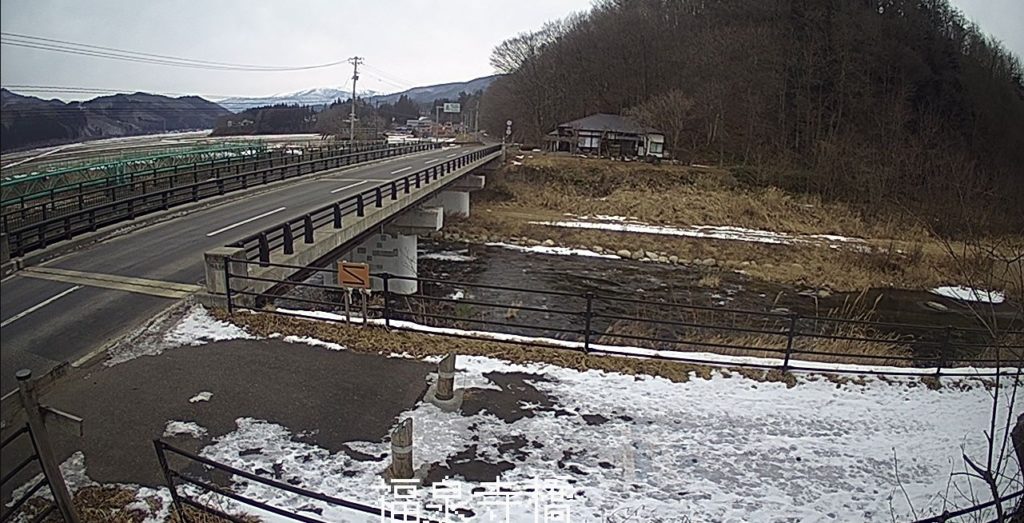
{"points": [[897, 251]]}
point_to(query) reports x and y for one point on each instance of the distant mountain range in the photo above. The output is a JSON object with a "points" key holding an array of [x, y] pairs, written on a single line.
{"points": [[29, 122], [327, 95]]}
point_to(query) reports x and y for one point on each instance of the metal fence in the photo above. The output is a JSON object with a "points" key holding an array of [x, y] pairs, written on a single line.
{"points": [[133, 199], [283, 236], [178, 476], [598, 323], [24, 465]]}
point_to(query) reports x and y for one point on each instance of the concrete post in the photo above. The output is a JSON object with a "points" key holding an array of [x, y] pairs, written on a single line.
{"points": [[401, 451], [446, 378], [215, 261], [41, 439]]}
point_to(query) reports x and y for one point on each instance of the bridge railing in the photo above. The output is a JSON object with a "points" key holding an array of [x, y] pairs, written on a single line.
{"points": [[72, 198], [598, 322], [285, 235], [25, 238]]}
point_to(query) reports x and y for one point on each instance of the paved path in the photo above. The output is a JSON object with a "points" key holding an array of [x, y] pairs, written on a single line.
{"points": [[45, 320]]}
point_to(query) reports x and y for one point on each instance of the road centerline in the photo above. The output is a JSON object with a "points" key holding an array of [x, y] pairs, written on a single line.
{"points": [[38, 306], [432, 160], [339, 189], [403, 169], [245, 221]]}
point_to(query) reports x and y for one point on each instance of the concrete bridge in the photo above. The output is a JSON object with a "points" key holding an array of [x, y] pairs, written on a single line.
{"points": [[74, 299]]}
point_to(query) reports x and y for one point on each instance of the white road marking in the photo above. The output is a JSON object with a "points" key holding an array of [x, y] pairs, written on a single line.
{"points": [[34, 308], [432, 160], [451, 155], [403, 169], [245, 221], [339, 189]]}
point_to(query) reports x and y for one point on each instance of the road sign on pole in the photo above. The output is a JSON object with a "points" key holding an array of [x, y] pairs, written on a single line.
{"points": [[353, 275], [450, 107]]}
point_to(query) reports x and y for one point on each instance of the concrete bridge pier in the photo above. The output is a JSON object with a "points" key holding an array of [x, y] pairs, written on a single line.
{"points": [[455, 198], [394, 249]]}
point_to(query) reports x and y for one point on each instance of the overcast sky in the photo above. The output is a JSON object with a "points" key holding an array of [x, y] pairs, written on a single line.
{"points": [[414, 42]]}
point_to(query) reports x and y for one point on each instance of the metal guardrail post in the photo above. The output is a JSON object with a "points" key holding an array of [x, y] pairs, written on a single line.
{"points": [[337, 215], [227, 285], [41, 439], [289, 240], [360, 211], [394, 190], [387, 300], [379, 198], [793, 319], [264, 250], [587, 317], [307, 229]]}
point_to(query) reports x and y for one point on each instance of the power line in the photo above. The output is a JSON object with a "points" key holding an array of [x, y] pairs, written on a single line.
{"points": [[76, 48]]}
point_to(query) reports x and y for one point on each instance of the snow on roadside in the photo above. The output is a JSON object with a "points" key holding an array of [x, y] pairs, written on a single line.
{"points": [[195, 327], [202, 396], [561, 251], [719, 232], [724, 449], [306, 340], [963, 293]]}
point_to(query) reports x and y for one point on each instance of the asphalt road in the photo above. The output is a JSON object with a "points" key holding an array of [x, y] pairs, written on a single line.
{"points": [[43, 323]]}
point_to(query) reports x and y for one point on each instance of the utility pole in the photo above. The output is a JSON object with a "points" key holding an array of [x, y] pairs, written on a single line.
{"points": [[355, 61]]}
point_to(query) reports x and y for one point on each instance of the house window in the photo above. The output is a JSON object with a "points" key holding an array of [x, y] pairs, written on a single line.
{"points": [[589, 142], [656, 147]]}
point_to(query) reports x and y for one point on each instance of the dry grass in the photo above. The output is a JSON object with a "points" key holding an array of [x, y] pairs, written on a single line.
{"points": [[110, 504], [899, 253]]}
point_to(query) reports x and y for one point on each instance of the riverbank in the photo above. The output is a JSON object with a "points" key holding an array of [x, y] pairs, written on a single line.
{"points": [[718, 221]]}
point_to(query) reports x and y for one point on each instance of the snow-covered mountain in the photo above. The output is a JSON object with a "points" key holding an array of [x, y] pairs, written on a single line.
{"points": [[316, 96], [325, 95]]}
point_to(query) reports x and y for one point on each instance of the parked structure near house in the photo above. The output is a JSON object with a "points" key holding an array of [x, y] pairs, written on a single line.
{"points": [[607, 135]]}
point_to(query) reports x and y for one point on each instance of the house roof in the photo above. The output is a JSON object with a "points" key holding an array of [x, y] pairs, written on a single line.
{"points": [[608, 122]]}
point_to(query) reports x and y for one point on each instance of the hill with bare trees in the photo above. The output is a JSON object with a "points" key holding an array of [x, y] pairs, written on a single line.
{"points": [[894, 103]]}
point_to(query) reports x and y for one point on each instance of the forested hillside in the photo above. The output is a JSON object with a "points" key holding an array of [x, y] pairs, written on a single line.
{"points": [[882, 102]]}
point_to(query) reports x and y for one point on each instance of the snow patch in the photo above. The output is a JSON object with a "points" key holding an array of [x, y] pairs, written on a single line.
{"points": [[962, 293], [560, 251], [451, 256], [313, 342], [202, 396], [184, 428], [199, 327], [718, 232]]}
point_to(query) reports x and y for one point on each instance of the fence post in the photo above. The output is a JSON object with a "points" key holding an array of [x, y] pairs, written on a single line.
{"points": [[360, 205], [307, 229], [793, 318], [264, 250], [446, 378], [943, 350], [227, 285], [401, 450], [41, 440], [380, 197], [394, 190], [587, 316], [162, 458], [387, 300], [337, 216], [289, 240]]}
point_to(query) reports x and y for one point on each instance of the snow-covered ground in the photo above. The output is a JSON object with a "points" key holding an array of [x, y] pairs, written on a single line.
{"points": [[962, 293], [724, 449], [194, 327], [719, 232], [545, 249]]}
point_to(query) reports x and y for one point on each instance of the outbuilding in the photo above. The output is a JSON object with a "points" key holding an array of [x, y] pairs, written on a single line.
{"points": [[605, 134]]}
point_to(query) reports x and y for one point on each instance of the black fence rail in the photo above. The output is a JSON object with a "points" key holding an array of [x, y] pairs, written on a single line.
{"points": [[85, 216], [21, 465], [175, 462], [283, 236], [597, 323]]}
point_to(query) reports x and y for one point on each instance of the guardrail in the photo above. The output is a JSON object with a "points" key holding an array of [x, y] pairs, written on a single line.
{"points": [[14, 508], [283, 236], [176, 477], [60, 201], [589, 322], [87, 217]]}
